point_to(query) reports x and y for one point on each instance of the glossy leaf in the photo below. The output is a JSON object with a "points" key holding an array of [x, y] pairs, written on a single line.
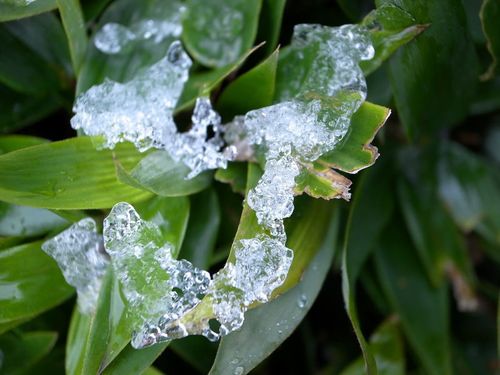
{"points": [[202, 229], [422, 308], [27, 221], [124, 66], [21, 352], [436, 81], [22, 69], [202, 83], [160, 174], [370, 211], [9, 143], [271, 17], [74, 25], [356, 152], [390, 28], [387, 347], [256, 85], [235, 175], [12, 12], [31, 283], [490, 11], [96, 340], [88, 334], [305, 232], [132, 361], [267, 326], [217, 34], [75, 175], [44, 35], [469, 187]]}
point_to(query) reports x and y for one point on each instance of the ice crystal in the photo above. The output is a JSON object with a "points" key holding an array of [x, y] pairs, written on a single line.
{"points": [[139, 111], [202, 147], [314, 118], [78, 251], [158, 287], [114, 38]]}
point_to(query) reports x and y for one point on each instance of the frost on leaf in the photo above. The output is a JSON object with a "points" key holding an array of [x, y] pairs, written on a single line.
{"points": [[139, 111], [114, 38], [79, 253], [157, 287], [313, 119]]}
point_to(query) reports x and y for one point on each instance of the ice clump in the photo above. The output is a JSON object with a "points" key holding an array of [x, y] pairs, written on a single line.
{"points": [[202, 147], [139, 111], [161, 21], [80, 254], [114, 38], [314, 117], [158, 287]]}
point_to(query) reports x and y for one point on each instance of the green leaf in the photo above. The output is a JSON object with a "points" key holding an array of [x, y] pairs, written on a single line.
{"points": [[305, 231], [218, 33], [22, 68], [197, 351], [123, 66], [27, 221], [438, 91], [490, 11], [160, 174], [31, 283], [88, 334], [132, 361], [354, 9], [96, 340], [235, 175], [387, 347], [271, 17], [18, 110], [202, 83], [422, 308], [369, 213], [266, 327], [45, 36], [11, 12], [9, 143], [319, 181], [391, 28], [75, 175], [356, 152], [21, 352], [202, 229], [74, 25], [256, 86], [469, 187]]}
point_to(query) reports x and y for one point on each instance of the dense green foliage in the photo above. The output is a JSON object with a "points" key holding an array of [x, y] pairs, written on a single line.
{"points": [[404, 278]]}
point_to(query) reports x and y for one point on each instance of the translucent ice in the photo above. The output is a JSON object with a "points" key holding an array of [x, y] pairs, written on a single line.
{"points": [[202, 147], [158, 287], [139, 111], [314, 117], [114, 38], [81, 257], [261, 265]]}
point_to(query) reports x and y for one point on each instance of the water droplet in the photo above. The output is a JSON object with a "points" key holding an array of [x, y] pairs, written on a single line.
{"points": [[302, 301], [239, 370]]}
